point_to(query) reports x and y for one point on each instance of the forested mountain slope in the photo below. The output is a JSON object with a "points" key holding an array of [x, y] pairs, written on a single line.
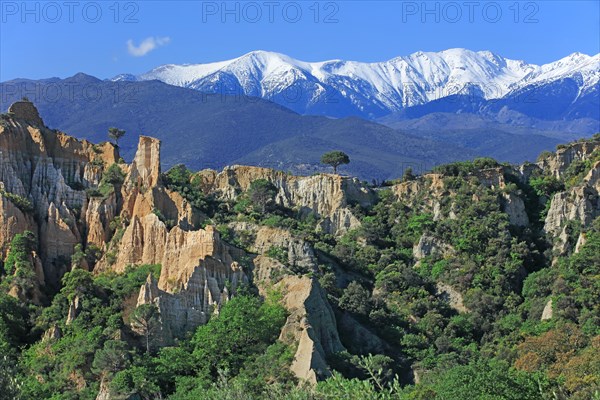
{"points": [[220, 130], [121, 281]]}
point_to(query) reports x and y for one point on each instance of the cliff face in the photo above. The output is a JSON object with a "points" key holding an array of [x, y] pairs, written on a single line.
{"points": [[200, 277], [12, 222], [579, 204], [143, 191], [143, 202], [327, 196], [311, 324], [432, 190], [520, 192], [558, 163], [45, 174], [199, 271]]}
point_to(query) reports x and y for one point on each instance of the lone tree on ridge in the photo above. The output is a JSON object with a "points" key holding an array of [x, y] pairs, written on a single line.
{"points": [[116, 134], [335, 159]]}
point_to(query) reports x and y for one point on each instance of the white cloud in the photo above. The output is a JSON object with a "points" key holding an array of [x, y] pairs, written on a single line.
{"points": [[146, 46]]}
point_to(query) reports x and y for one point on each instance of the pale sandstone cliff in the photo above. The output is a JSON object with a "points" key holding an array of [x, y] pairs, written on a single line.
{"points": [[580, 203], [299, 253], [49, 169], [432, 189], [558, 162], [327, 196], [311, 324], [143, 191], [143, 198], [143, 222], [12, 222], [200, 272]]}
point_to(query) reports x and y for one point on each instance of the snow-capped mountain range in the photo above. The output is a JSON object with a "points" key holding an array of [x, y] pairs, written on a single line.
{"points": [[371, 90]]}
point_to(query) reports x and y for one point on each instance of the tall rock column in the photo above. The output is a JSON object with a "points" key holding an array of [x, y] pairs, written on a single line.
{"points": [[145, 168]]}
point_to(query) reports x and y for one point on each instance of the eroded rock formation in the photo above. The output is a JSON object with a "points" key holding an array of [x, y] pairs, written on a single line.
{"points": [[311, 324], [45, 174], [580, 204], [558, 163], [428, 246], [46, 180], [327, 196]]}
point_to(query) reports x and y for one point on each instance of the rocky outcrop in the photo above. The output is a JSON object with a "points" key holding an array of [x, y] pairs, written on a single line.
{"points": [[12, 222], [432, 184], [526, 171], [58, 232], [547, 312], [430, 246], [53, 333], [147, 210], [50, 170], [581, 241], [144, 171], [451, 296], [580, 203], [185, 249], [557, 163], [104, 392], [492, 178], [98, 214], [26, 111], [430, 189], [311, 325], [199, 274], [143, 242], [74, 309], [326, 196], [143, 222], [141, 190], [514, 207], [299, 254], [31, 290]]}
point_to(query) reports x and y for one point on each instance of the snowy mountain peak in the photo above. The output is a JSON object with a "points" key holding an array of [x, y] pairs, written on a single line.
{"points": [[373, 89]]}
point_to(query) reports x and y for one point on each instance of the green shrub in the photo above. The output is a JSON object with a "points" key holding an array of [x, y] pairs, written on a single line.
{"points": [[243, 330], [169, 223], [464, 168], [114, 175], [262, 193], [93, 192], [20, 202], [179, 179], [97, 162], [279, 253], [18, 260]]}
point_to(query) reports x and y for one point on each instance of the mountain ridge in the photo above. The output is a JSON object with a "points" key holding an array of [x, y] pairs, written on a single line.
{"points": [[370, 90], [225, 130]]}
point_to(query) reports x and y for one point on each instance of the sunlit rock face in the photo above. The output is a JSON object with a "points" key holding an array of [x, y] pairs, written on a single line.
{"points": [[326, 196], [50, 170], [580, 203]]}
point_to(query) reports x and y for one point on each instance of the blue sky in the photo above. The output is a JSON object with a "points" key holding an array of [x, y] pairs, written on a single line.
{"points": [[47, 39]]}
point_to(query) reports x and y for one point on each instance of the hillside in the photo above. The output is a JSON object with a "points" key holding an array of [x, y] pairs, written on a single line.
{"points": [[125, 281], [223, 130]]}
